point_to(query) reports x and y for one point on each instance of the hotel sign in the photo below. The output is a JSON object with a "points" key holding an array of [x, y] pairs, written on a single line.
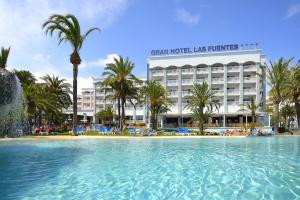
{"points": [[199, 49]]}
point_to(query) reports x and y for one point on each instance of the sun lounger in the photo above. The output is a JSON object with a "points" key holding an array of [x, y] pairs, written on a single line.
{"points": [[79, 131], [131, 131], [102, 130]]}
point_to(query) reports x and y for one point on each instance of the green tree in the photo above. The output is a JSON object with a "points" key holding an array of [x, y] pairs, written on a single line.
{"points": [[121, 82], [251, 108], [69, 30], [106, 114], [277, 74], [25, 77], [158, 101], [293, 89], [201, 103], [287, 112], [3, 57], [60, 92]]}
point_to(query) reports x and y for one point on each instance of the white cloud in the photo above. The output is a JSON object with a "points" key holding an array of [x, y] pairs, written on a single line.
{"points": [[293, 10], [186, 17], [81, 83], [101, 62]]}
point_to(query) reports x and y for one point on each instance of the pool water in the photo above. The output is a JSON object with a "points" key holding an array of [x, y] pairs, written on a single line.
{"points": [[243, 168]]}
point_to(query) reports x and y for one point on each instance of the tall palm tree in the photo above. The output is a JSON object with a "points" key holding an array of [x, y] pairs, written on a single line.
{"points": [[158, 100], [201, 103], [3, 57], [25, 77], [251, 107], [121, 81], [293, 89], [277, 76], [69, 30]]}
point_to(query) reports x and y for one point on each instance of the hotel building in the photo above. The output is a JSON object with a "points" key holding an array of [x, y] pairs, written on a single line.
{"points": [[232, 75]]}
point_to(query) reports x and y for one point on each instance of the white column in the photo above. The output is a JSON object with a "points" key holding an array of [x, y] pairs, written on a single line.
{"points": [[257, 83], [241, 86], [194, 75], [209, 76], [225, 90], [179, 95], [134, 115], [94, 103]]}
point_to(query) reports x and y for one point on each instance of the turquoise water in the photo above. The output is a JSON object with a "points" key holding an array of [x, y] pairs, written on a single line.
{"points": [[245, 168]]}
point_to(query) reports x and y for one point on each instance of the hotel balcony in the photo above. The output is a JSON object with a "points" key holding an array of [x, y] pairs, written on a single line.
{"points": [[233, 92], [202, 70], [217, 80], [233, 69], [250, 68], [232, 103], [249, 79], [172, 72], [201, 80], [218, 92], [173, 94], [233, 80], [187, 71], [158, 73], [186, 82], [172, 83], [185, 93], [160, 82], [249, 92], [217, 69]]}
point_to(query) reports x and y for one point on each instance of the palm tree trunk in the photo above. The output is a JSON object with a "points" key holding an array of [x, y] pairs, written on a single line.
{"points": [[123, 111], [201, 128], [119, 114], [75, 74], [297, 106], [276, 117]]}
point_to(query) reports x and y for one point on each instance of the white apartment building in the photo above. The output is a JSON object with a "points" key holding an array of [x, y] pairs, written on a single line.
{"points": [[231, 73], [134, 114]]}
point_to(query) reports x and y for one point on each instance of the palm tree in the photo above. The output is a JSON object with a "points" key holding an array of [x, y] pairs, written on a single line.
{"points": [[120, 80], [106, 115], [68, 29], [3, 57], [201, 103], [293, 89], [251, 107], [25, 77], [287, 112], [277, 74], [60, 91], [158, 100]]}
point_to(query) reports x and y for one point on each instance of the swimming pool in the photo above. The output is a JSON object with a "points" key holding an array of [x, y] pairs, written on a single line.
{"points": [[243, 168]]}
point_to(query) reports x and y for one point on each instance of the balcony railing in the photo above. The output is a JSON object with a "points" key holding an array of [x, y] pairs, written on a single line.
{"points": [[249, 91], [233, 91], [218, 92], [173, 94], [185, 93], [187, 71], [233, 80], [249, 79], [217, 69], [201, 80], [186, 81], [172, 72], [217, 80], [202, 70], [172, 82], [158, 73], [233, 69], [233, 103], [250, 68]]}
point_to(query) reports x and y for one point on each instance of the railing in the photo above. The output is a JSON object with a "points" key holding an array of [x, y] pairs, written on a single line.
{"points": [[172, 94], [233, 80], [250, 68], [217, 69], [172, 82], [172, 71], [233, 103], [187, 71], [201, 80], [185, 93], [217, 80], [233, 91], [249, 79], [202, 70], [186, 81], [233, 69], [249, 91], [158, 73], [218, 92]]}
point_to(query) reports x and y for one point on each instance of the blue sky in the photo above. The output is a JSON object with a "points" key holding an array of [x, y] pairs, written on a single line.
{"points": [[132, 28]]}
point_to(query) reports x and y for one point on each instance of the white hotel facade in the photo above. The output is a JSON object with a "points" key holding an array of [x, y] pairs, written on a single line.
{"points": [[231, 74]]}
